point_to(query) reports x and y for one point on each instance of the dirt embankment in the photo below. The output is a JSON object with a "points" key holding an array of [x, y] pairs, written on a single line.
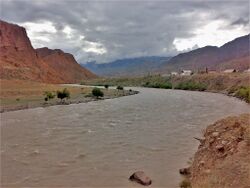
{"points": [[222, 159]]}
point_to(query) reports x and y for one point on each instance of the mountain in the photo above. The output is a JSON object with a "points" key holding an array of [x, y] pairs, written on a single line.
{"points": [[19, 60], [234, 54], [65, 64], [127, 67]]}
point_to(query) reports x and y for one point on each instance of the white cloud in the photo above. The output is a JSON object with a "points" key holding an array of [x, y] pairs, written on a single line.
{"points": [[45, 26], [68, 31], [94, 47], [213, 33]]}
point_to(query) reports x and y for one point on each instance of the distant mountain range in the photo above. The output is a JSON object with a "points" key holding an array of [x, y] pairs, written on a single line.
{"points": [[127, 67], [19, 60], [232, 55]]}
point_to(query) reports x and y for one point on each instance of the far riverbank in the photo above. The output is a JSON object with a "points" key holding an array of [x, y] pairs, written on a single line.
{"points": [[231, 84], [18, 95]]}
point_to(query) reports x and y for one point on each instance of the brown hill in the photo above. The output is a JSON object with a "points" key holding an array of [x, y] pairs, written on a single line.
{"points": [[234, 54], [65, 64], [19, 60]]}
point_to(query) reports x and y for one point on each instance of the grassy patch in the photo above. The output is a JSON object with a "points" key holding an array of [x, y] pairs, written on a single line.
{"points": [[190, 85], [243, 93], [164, 85]]}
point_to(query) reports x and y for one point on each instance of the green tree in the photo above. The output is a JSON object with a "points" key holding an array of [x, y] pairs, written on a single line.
{"points": [[97, 92], [119, 88], [49, 95], [63, 94]]}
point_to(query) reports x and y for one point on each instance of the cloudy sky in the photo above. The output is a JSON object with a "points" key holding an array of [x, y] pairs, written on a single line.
{"points": [[107, 30]]}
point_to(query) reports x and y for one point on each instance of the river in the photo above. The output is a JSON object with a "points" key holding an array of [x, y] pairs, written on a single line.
{"points": [[101, 143]]}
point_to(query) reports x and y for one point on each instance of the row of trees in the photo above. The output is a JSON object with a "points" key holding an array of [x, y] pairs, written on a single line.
{"points": [[66, 94], [60, 94]]}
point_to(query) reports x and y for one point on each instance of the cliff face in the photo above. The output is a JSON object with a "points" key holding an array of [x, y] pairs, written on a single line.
{"points": [[14, 36], [19, 60], [65, 64]]}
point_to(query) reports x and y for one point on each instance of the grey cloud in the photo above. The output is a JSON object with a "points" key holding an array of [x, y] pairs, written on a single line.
{"points": [[124, 28], [241, 21]]}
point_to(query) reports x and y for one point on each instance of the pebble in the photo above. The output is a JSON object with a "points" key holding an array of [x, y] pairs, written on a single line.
{"points": [[215, 134]]}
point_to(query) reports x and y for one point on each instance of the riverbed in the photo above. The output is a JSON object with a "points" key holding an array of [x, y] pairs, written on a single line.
{"points": [[101, 143]]}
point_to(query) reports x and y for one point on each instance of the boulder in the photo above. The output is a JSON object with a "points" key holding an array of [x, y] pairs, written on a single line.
{"points": [[185, 171], [141, 178]]}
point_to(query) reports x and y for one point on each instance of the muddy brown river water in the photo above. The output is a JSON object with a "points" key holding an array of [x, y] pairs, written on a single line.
{"points": [[100, 144]]}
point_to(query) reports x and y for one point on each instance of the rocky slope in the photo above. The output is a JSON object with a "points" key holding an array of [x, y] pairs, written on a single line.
{"points": [[19, 60], [66, 67], [222, 159], [234, 54]]}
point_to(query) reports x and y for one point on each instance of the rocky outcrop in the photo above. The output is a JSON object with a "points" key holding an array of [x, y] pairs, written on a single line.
{"points": [[19, 60], [14, 36], [141, 178], [222, 161]]}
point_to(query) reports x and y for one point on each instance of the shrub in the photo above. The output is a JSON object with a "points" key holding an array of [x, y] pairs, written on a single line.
{"points": [[243, 93], [165, 85], [189, 85], [88, 95], [97, 92], [106, 86], [17, 99], [48, 95], [147, 84], [82, 83], [185, 184], [119, 88], [63, 94]]}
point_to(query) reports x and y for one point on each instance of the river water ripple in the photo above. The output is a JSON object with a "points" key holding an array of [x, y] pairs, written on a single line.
{"points": [[100, 144]]}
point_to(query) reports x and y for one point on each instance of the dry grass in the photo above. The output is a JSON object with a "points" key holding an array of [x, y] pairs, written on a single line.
{"points": [[19, 94], [19, 88], [18, 91]]}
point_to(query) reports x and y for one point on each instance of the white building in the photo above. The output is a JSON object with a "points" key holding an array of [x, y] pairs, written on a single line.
{"points": [[174, 73], [186, 72], [229, 70]]}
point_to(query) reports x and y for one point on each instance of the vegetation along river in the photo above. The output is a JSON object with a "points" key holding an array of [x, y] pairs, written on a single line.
{"points": [[101, 143]]}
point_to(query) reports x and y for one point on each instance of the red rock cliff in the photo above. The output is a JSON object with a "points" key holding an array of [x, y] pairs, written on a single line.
{"points": [[19, 60]]}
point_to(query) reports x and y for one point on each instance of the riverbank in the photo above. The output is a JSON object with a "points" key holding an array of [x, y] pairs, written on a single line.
{"points": [[17, 95], [231, 84], [222, 159]]}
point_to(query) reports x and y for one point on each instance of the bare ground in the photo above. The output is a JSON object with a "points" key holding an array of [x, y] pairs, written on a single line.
{"points": [[223, 157]]}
